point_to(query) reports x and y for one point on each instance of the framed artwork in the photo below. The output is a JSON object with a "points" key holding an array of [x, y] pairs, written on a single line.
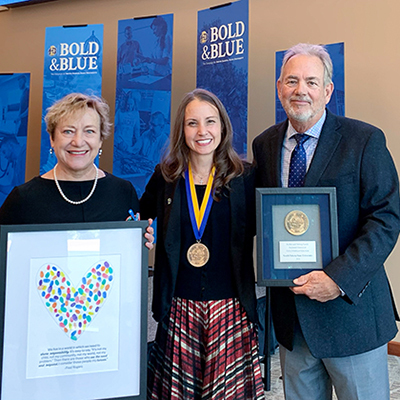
{"points": [[73, 311]]}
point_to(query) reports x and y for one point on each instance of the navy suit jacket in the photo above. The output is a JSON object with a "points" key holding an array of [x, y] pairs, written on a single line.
{"points": [[351, 156]]}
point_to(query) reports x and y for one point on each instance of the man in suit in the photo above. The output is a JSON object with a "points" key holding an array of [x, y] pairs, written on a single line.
{"points": [[334, 325]]}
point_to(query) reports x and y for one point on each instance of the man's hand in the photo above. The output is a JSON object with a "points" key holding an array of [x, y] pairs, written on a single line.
{"points": [[317, 285]]}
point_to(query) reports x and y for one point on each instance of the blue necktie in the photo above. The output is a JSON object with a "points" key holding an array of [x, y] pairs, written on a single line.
{"points": [[298, 162]]}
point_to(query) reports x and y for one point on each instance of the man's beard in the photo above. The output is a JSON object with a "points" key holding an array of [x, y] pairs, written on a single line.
{"points": [[297, 113]]}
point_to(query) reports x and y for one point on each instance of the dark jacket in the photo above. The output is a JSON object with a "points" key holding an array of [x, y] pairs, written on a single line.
{"points": [[351, 156], [163, 200]]}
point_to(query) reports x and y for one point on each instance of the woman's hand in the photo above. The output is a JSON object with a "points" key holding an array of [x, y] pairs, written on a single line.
{"points": [[149, 235]]}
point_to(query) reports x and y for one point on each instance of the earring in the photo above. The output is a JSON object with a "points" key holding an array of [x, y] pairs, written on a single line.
{"points": [[100, 152], [51, 151]]}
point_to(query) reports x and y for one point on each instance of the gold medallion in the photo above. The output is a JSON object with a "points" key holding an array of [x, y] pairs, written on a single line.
{"points": [[296, 222], [198, 254]]}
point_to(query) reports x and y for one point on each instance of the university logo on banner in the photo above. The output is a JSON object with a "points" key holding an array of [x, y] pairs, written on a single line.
{"points": [[336, 104], [222, 62], [14, 107], [72, 63], [143, 97]]}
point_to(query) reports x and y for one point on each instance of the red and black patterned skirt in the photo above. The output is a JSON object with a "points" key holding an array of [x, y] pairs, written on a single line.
{"points": [[206, 350]]}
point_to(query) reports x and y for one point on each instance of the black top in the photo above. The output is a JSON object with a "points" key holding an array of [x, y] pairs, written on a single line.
{"points": [[165, 201], [213, 281], [39, 202]]}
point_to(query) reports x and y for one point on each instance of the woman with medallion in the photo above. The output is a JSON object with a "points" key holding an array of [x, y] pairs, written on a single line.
{"points": [[75, 190], [204, 299]]}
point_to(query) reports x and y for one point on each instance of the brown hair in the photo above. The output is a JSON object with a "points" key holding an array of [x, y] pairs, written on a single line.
{"points": [[227, 162], [74, 102]]}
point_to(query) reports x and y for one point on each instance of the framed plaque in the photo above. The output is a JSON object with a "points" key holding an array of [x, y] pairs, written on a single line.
{"points": [[296, 232], [73, 311]]}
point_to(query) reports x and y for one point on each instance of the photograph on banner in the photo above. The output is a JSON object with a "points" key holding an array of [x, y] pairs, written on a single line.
{"points": [[143, 97], [222, 62], [72, 63], [336, 104], [14, 108]]}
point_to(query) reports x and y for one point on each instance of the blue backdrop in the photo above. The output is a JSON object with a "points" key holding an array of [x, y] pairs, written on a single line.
{"points": [[14, 109], [143, 97], [72, 63], [222, 62]]}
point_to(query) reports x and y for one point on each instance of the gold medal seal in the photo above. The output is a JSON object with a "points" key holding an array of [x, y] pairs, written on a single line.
{"points": [[296, 222], [198, 254]]}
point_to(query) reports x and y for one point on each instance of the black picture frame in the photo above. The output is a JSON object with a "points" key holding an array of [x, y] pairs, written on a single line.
{"points": [[106, 358], [276, 244]]}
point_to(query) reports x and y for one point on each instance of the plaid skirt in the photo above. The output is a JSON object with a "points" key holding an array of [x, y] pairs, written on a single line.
{"points": [[205, 350]]}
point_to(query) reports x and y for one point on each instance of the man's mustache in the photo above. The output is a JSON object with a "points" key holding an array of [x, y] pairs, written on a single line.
{"points": [[301, 98]]}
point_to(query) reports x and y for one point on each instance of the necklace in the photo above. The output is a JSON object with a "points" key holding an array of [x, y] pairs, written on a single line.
{"points": [[80, 201], [200, 177]]}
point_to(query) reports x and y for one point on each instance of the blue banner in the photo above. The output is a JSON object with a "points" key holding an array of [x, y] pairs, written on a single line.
{"points": [[143, 97], [222, 62], [14, 109], [336, 104], [72, 63]]}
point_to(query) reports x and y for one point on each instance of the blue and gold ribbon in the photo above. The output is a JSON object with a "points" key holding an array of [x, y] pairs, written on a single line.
{"points": [[198, 215]]}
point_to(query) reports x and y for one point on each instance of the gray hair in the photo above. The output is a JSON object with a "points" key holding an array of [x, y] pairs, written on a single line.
{"points": [[308, 49]]}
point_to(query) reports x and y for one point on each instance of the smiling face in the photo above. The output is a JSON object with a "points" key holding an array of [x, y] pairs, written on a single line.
{"points": [[302, 92], [202, 128], [76, 142]]}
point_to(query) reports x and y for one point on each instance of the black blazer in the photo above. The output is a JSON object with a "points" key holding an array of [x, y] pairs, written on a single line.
{"points": [[163, 200], [351, 156]]}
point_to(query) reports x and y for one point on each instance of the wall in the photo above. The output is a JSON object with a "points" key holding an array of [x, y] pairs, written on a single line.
{"points": [[369, 29]]}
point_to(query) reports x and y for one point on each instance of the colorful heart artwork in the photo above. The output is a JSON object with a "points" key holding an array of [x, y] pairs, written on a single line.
{"points": [[74, 308]]}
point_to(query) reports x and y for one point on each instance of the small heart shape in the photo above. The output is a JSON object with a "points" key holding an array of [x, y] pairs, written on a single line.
{"points": [[74, 308]]}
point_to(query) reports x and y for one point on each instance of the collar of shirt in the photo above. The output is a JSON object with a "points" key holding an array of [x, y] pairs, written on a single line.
{"points": [[289, 143], [314, 131]]}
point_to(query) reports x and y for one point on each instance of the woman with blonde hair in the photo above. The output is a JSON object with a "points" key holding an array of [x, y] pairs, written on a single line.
{"points": [[75, 190]]}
